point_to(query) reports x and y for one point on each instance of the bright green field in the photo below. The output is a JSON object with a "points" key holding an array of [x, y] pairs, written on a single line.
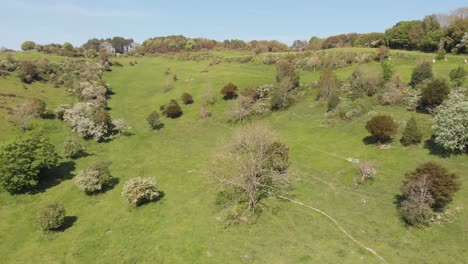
{"points": [[182, 227]]}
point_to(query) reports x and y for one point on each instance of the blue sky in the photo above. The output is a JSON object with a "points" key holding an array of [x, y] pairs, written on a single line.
{"points": [[47, 21]]}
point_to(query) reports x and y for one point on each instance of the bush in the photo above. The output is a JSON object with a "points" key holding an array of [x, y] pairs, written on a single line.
{"points": [[187, 98], [138, 191], [457, 76], [154, 121], [229, 91], [411, 135], [60, 111], [434, 94], [328, 84], [364, 83], [441, 54], [367, 171], [280, 98], [23, 158], [28, 45], [88, 120], [28, 72], [422, 72], [172, 109], [72, 148], [451, 121], [387, 71], [441, 184], [94, 179], [51, 216], [333, 102], [286, 69], [382, 127]]}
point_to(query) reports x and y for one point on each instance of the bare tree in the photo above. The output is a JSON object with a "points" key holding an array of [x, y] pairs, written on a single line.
{"points": [[416, 208], [252, 167], [367, 171]]}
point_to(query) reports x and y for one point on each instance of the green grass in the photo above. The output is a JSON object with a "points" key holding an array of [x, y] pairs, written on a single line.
{"points": [[182, 227]]}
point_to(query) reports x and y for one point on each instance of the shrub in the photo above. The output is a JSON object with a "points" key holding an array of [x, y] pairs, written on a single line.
{"points": [[367, 171], [441, 54], [140, 190], [23, 159], [94, 179], [451, 121], [28, 45], [154, 120], [187, 98], [27, 72], [120, 126], [411, 134], [240, 109], [441, 184], [364, 83], [51, 216], [204, 112], [229, 91], [172, 109], [286, 69], [457, 76], [327, 83], [60, 111], [88, 120], [73, 148], [387, 71], [333, 102], [280, 98], [434, 93], [422, 72], [23, 113], [382, 127]]}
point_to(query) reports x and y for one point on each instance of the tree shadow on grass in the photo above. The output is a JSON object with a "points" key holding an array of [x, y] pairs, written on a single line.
{"points": [[55, 176], [436, 149], [68, 222], [369, 140]]}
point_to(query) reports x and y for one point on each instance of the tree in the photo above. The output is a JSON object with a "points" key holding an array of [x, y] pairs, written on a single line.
{"points": [[187, 98], [121, 126], [441, 183], [457, 76], [387, 70], [27, 72], [434, 93], [417, 201], [382, 127], [253, 167], [95, 178], [23, 113], [28, 45], [451, 121], [154, 120], [73, 148], [138, 190], [172, 109], [411, 134], [51, 217], [88, 120], [280, 98], [367, 171], [328, 84], [229, 91], [23, 159], [421, 72], [441, 54], [286, 69]]}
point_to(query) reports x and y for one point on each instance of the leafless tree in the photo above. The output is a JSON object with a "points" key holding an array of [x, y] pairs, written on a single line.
{"points": [[367, 171], [252, 167]]}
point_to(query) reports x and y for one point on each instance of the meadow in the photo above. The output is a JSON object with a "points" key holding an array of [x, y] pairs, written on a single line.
{"points": [[182, 227]]}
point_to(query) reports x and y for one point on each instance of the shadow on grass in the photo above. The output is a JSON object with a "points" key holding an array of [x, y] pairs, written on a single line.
{"points": [[436, 149], [371, 140], [68, 222], [55, 176]]}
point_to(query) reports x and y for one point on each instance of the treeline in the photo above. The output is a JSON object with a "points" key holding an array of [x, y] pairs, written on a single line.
{"points": [[436, 32]]}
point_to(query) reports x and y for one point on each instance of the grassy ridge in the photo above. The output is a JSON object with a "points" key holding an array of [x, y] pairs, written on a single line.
{"points": [[182, 227]]}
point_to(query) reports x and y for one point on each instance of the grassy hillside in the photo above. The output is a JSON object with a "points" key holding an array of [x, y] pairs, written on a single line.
{"points": [[182, 227]]}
